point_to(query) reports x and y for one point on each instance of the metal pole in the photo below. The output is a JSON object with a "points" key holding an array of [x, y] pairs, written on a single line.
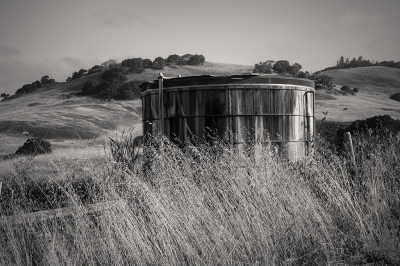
{"points": [[308, 137], [161, 101]]}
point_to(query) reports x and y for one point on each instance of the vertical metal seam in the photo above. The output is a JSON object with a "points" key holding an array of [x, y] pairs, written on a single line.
{"points": [[161, 102]]}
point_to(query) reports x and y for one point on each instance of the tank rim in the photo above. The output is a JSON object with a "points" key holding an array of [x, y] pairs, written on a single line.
{"points": [[233, 79]]}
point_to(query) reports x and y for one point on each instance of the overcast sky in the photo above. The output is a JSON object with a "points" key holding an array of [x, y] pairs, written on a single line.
{"points": [[56, 38]]}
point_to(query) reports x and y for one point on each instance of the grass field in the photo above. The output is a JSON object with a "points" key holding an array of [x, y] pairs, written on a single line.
{"points": [[203, 206], [58, 113], [375, 84], [207, 206]]}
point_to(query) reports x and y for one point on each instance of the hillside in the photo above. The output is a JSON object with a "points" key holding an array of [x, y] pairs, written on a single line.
{"points": [[57, 113], [375, 84], [376, 79]]}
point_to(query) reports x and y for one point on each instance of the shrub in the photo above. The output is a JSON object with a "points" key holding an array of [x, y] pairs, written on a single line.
{"points": [[324, 81], [34, 146], [147, 63], [120, 91], [355, 90], [347, 89], [90, 87], [135, 65], [116, 73]]}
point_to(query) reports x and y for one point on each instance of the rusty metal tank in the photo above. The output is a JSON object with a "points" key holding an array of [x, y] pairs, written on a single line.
{"points": [[251, 108]]}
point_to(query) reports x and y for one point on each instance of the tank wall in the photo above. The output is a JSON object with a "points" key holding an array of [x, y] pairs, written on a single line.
{"points": [[254, 112]]}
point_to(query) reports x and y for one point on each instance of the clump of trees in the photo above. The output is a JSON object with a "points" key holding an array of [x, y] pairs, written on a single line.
{"points": [[324, 82], [4, 95], [113, 89], [139, 65], [45, 80], [114, 85], [348, 90], [281, 67], [116, 73], [90, 87], [111, 63], [265, 67]]}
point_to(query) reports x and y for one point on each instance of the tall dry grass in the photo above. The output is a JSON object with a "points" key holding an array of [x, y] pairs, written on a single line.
{"points": [[208, 205]]}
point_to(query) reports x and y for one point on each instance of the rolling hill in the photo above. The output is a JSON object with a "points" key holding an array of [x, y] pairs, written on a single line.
{"points": [[376, 84], [57, 112]]}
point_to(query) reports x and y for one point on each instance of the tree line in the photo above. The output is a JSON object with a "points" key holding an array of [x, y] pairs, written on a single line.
{"points": [[31, 87], [343, 63], [114, 83], [138, 65], [282, 67]]}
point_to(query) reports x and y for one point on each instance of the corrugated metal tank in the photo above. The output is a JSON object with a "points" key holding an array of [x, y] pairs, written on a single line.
{"points": [[251, 107]]}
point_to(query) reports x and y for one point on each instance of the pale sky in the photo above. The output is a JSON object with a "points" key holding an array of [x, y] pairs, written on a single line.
{"points": [[56, 37]]}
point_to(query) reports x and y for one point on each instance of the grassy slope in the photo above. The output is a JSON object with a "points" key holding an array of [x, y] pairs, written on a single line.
{"points": [[56, 113], [375, 85]]}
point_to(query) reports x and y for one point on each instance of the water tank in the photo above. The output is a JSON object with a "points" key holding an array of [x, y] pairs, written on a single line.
{"points": [[262, 108]]}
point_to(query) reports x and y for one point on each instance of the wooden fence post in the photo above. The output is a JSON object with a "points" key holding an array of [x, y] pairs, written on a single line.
{"points": [[349, 147]]}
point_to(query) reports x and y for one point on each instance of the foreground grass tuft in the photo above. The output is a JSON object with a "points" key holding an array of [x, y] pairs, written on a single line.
{"points": [[208, 205]]}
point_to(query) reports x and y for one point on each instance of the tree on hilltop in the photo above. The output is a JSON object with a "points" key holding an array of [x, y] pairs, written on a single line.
{"points": [[110, 63], [341, 62], [159, 63], [135, 65], [115, 74], [186, 57], [94, 69], [37, 83], [44, 80], [295, 69], [4, 95], [173, 59], [196, 60], [264, 67], [303, 75], [147, 63], [324, 82], [282, 67], [82, 72]]}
